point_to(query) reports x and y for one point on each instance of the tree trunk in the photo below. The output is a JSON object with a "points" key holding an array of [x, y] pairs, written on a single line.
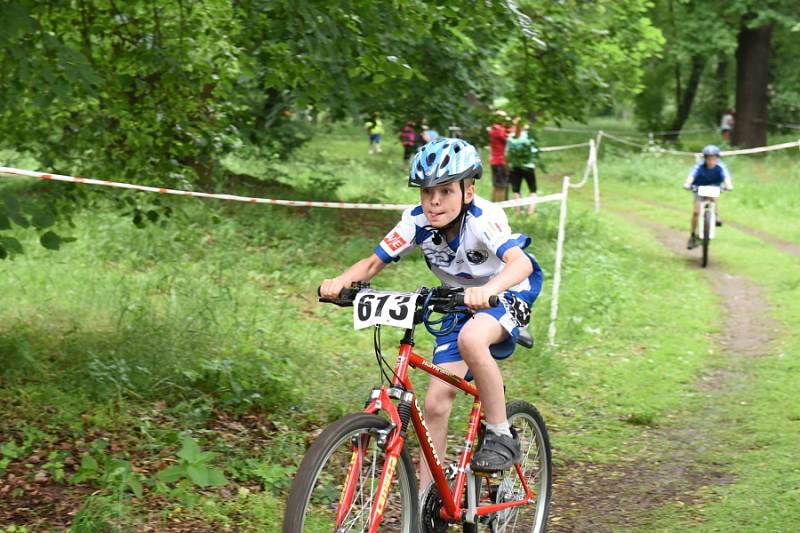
{"points": [[687, 98], [752, 76], [721, 102]]}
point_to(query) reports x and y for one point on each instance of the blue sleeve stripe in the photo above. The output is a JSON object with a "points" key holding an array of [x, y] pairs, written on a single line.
{"points": [[421, 234], [416, 211], [522, 241], [474, 210], [383, 256]]}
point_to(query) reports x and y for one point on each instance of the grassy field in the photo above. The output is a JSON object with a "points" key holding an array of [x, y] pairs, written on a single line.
{"points": [[130, 350]]}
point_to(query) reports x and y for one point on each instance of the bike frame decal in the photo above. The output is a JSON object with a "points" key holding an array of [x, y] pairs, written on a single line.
{"points": [[394, 448], [391, 464]]}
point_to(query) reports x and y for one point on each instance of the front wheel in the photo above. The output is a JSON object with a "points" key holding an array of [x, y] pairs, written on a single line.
{"points": [[537, 469], [348, 454], [706, 233]]}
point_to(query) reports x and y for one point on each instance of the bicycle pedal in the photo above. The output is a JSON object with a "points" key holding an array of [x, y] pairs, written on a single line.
{"points": [[488, 475]]}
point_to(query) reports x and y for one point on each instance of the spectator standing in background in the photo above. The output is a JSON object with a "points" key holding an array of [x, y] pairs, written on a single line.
{"points": [[408, 138], [498, 136], [520, 154], [374, 127], [726, 124]]}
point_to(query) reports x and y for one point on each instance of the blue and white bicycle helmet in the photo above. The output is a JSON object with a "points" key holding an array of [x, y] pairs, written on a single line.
{"points": [[444, 160], [711, 149]]}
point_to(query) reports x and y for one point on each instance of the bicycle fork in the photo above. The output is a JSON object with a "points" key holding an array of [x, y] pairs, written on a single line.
{"points": [[400, 415], [710, 209]]}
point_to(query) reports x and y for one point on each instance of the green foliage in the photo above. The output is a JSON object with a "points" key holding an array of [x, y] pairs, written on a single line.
{"points": [[25, 213], [192, 470], [102, 513], [125, 90], [590, 55], [706, 32]]}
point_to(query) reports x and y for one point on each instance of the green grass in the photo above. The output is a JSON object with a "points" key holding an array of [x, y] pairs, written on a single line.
{"points": [[760, 428], [209, 327]]}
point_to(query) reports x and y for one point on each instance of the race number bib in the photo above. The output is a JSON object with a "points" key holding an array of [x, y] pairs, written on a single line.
{"points": [[396, 309]]}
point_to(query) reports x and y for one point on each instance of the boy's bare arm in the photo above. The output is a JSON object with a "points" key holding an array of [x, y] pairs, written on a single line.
{"points": [[363, 270], [518, 267]]}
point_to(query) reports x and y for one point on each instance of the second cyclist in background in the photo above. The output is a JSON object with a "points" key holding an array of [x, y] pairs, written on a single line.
{"points": [[709, 171]]}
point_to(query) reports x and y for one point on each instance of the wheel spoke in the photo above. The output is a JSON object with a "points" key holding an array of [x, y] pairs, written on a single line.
{"points": [[317, 490]]}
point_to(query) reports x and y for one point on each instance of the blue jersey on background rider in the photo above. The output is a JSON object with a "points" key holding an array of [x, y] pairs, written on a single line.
{"points": [[466, 242], [710, 171]]}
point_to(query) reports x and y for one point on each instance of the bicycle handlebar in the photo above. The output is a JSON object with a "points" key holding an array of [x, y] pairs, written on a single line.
{"points": [[443, 299], [693, 188]]}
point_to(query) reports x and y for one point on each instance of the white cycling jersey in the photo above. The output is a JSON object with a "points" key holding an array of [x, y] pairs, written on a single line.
{"points": [[472, 258]]}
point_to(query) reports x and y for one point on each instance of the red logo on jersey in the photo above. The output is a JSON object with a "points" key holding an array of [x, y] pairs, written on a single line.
{"points": [[394, 241]]}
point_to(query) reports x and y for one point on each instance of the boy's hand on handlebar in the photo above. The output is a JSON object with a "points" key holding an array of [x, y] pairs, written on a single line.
{"points": [[477, 298], [331, 288]]}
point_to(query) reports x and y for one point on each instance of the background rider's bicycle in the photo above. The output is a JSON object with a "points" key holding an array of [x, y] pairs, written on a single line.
{"points": [[358, 474], [707, 221]]}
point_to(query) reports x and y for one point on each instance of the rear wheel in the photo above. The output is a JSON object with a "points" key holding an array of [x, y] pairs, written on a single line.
{"points": [[350, 444], [706, 232], [537, 469]]}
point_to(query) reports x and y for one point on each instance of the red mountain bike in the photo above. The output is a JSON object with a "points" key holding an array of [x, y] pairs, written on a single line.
{"points": [[358, 476]]}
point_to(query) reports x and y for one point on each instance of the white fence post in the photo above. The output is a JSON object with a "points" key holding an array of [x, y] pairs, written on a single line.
{"points": [[562, 221], [596, 179]]}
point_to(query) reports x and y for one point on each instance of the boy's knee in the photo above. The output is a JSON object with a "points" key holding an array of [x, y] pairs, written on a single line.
{"points": [[438, 403], [471, 340]]}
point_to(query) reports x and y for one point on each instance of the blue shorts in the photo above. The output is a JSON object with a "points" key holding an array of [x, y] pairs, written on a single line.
{"points": [[375, 138], [512, 313]]}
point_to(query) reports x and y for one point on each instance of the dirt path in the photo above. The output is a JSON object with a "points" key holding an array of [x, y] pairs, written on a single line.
{"points": [[601, 498], [781, 244]]}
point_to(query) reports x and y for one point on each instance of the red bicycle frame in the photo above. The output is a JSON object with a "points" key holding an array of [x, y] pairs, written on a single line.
{"points": [[402, 389]]}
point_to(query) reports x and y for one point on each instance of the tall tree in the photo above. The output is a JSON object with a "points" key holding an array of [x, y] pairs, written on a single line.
{"points": [[752, 79], [696, 32]]}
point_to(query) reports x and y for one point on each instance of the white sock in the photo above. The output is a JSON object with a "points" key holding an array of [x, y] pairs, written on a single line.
{"points": [[502, 428]]}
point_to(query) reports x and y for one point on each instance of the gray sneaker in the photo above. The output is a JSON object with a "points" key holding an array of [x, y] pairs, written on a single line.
{"points": [[497, 453], [692, 242]]}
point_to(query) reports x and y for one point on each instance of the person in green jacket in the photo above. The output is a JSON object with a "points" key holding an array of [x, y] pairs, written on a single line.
{"points": [[520, 153], [374, 127]]}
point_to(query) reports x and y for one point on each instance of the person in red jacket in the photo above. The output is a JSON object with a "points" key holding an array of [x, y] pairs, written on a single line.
{"points": [[498, 137]]}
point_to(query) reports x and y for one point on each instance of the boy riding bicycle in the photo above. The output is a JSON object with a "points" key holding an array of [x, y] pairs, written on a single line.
{"points": [[467, 243], [710, 171]]}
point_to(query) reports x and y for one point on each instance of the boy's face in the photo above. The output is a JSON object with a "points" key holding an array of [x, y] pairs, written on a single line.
{"points": [[711, 161], [442, 204]]}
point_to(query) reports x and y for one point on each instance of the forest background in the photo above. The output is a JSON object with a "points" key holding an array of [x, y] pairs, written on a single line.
{"points": [[261, 97]]}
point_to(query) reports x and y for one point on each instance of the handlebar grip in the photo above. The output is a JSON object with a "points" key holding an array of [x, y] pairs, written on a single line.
{"points": [[346, 297], [494, 300]]}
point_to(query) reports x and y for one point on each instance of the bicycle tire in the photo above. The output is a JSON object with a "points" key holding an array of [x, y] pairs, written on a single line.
{"points": [[706, 239], [316, 489], [538, 472]]}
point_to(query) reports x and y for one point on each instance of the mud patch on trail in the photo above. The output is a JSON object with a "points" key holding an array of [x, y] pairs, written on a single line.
{"points": [[614, 497]]}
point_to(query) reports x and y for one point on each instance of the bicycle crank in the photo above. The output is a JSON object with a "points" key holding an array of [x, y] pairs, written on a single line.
{"points": [[429, 515]]}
